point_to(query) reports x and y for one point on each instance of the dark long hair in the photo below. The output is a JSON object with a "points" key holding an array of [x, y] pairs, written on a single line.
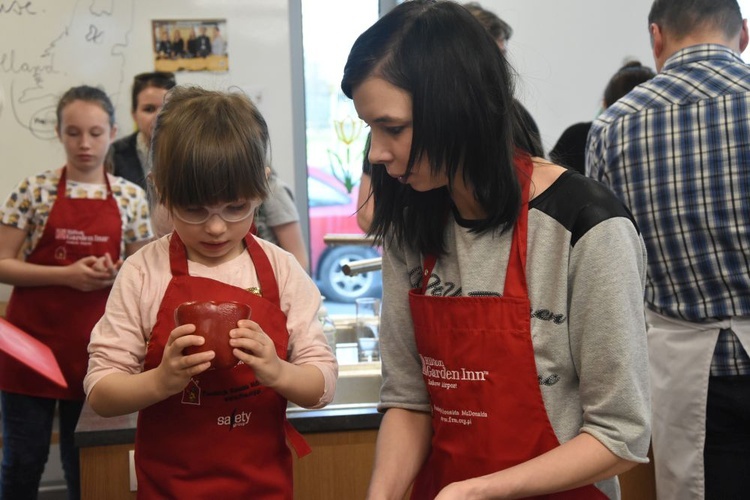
{"points": [[157, 79], [462, 111], [625, 80]]}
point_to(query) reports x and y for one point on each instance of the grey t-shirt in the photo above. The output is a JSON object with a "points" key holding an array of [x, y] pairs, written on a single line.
{"points": [[586, 269], [276, 210]]}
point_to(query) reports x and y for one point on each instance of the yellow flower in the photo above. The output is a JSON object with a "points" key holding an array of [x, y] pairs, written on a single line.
{"points": [[348, 130]]}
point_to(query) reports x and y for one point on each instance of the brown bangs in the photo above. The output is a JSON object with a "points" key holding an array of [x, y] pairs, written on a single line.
{"points": [[208, 148]]}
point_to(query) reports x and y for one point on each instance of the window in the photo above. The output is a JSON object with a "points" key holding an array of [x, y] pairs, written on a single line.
{"points": [[335, 141]]}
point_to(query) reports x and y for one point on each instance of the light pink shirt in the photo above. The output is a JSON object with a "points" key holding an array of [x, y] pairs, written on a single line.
{"points": [[118, 341]]}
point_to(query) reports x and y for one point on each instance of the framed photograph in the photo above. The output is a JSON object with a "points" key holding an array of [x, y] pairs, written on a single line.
{"points": [[190, 45]]}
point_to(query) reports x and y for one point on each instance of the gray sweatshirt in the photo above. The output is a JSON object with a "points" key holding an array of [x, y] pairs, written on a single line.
{"points": [[586, 271]]}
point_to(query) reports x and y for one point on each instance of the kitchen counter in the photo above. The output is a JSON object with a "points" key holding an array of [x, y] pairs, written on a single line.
{"points": [[342, 437], [93, 430]]}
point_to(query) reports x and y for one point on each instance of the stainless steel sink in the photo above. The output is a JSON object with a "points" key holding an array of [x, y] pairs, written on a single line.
{"points": [[358, 384]]}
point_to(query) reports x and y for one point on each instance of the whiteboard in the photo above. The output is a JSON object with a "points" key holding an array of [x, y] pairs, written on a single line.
{"points": [[47, 46]]}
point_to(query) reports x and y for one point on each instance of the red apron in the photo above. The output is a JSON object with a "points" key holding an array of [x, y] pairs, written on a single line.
{"points": [[225, 435], [478, 364], [59, 316]]}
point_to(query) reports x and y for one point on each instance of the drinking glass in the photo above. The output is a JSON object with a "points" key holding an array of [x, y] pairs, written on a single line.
{"points": [[368, 323]]}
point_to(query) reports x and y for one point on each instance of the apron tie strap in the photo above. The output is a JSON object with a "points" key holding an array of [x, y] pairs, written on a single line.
{"points": [[298, 442]]}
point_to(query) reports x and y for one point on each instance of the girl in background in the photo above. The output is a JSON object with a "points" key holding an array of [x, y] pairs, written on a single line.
{"points": [[219, 433], [73, 227], [277, 220]]}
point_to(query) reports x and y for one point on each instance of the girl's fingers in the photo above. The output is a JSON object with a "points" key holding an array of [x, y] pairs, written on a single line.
{"points": [[198, 359], [249, 324], [181, 331], [247, 344]]}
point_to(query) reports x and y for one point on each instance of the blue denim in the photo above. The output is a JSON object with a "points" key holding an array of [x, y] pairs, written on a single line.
{"points": [[27, 429]]}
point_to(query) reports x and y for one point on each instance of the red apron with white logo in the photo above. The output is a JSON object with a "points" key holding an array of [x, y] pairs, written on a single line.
{"points": [[478, 364], [225, 435], [59, 316]]}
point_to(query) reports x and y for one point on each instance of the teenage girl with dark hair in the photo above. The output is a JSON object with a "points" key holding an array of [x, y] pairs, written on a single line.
{"points": [[512, 334], [73, 227]]}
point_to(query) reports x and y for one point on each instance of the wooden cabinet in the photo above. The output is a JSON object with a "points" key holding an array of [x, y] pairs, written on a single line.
{"points": [[338, 468], [105, 472], [638, 483]]}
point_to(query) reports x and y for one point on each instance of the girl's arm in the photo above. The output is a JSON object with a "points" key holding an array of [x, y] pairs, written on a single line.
{"points": [[85, 274], [120, 393], [402, 446], [301, 384], [580, 461], [300, 301]]}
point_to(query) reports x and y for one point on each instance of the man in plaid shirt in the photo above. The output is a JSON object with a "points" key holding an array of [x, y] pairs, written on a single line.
{"points": [[676, 150]]}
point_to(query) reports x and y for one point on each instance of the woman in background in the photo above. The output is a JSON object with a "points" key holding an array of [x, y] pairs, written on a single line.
{"points": [[131, 153], [73, 227]]}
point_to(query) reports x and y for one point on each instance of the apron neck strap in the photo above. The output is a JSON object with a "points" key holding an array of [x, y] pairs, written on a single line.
{"points": [[515, 277], [268, 284], [516, 274], [269, 287], [63, 183], [428, 266]]}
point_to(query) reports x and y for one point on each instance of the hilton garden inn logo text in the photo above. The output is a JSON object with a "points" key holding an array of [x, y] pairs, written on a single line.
{"points": [[438, 375]]}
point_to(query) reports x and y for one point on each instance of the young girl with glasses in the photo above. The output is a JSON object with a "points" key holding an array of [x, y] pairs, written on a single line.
{"points": [[205, 433]]}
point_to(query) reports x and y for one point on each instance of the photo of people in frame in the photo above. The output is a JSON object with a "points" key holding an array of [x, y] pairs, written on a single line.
{"points": [[190, 45]]}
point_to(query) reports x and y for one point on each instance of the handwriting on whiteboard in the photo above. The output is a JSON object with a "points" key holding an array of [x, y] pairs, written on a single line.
{"points": [[48, 46]]}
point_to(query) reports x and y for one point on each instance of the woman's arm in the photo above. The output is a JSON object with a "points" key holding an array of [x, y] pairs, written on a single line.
{"points": [[365, 203], [282, 218], [582, 460], [402, 447]]}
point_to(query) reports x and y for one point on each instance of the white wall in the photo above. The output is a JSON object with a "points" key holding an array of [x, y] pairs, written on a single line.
{"points": [[566, 51], [47, 46]]}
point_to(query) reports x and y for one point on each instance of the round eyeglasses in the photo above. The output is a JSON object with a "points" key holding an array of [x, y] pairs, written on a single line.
{"points": [[230, 212]]}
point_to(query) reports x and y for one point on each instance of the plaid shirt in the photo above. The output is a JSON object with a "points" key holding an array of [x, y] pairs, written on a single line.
{"points": [[676, 150]]}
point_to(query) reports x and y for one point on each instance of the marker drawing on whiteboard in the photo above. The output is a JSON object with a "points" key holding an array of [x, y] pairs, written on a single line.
{"points": [[86, 42], [17, 8]]}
